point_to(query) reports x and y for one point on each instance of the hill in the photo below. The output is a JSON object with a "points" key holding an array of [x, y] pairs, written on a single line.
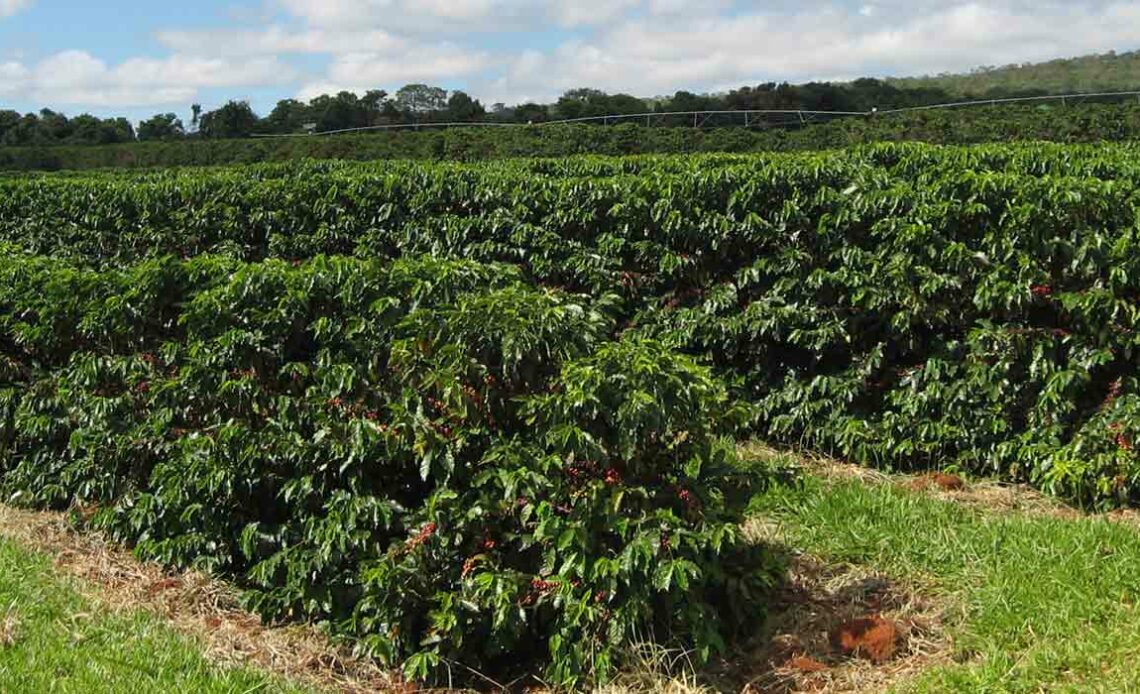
{"points": [[1105, 72]]}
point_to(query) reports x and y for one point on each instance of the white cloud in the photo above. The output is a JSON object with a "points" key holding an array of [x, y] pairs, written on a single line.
{"points": [[77, 77], [818, 40], [651, 47], [13, 77], [516, 50], [276, 40], [11, 7], [432, 17], [358, 72], [415, 16]]}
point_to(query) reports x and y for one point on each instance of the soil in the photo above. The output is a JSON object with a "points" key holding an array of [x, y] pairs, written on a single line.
{"points": [[890, 631], [874, 638], [806, 665], [939, 480]]}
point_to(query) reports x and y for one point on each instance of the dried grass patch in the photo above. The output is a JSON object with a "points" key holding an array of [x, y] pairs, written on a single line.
{"points": [[798, 653], [988, 495], [795, 651], [9, 629], [194, 604]]}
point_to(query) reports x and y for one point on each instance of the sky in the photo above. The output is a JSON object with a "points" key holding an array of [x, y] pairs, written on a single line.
{"points": [[114, 57]]}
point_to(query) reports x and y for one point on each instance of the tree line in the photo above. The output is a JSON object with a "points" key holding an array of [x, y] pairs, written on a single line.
{"points": [[425, 104]]}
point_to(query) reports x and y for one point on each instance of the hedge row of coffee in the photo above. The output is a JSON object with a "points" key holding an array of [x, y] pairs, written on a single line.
{"points": [[900, 305]]}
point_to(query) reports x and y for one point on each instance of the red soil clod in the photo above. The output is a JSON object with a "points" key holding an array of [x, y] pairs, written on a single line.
{"points": [[949, 483], [939, 480], [162, 586], [806, 665], [874, 638]]}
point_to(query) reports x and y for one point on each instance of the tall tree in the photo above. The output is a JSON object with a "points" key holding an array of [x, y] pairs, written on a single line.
{"points": [[54, 127], [688, 101], [339, 112], [374, 99], [9, 127], [585, 103], [531, 113], [288, 116], [420, 98], [235, 119], [162, 126], [461, 108]]}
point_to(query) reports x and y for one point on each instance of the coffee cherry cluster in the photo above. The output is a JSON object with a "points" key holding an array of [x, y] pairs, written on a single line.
{"points": [[422, 536]]}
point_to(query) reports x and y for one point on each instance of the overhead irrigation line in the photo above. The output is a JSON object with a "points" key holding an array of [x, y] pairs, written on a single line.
{"points": [[1063, 98], [605, 120], [398, 126], [700, 118], [665, 114]]}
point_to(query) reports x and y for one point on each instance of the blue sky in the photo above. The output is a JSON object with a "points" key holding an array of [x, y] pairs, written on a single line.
{"points": [[112, 57]]}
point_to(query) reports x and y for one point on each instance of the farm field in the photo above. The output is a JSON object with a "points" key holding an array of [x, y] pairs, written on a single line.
{"points": [[486, 416]]}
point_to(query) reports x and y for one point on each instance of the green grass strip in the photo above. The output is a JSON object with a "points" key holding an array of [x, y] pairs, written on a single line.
{"points": [[1041, 603], [52, 639]]}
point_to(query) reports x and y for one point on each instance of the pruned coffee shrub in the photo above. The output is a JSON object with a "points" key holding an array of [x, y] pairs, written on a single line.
{"points": [[600, 519], [450, 465]]}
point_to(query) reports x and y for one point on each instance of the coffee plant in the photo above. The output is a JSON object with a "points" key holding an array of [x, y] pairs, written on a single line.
{"points": [[445, 462]]}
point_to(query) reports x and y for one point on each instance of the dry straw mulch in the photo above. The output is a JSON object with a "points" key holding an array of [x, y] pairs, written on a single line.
{"points": [[192, 603]]}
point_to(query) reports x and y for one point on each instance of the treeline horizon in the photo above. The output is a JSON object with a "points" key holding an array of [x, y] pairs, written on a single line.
{"points": [[424, 104], [1073, 123]]}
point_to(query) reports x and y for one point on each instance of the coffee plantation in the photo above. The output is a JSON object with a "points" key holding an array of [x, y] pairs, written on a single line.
{"points": [[483, 414]]}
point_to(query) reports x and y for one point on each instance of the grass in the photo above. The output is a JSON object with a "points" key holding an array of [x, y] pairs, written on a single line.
{"points": [[1041, 601], [52, 639]]}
